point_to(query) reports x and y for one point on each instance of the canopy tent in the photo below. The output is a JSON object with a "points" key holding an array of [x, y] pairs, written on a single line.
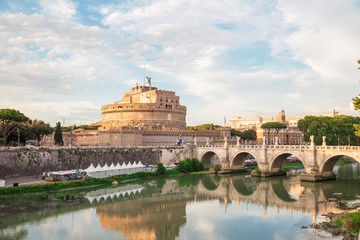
{"points": [[112, 170]]}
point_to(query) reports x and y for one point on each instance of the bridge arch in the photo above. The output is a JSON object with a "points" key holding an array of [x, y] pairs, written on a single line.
{"points": [[210, 158], [239, 159], [210, 183], [278, 160], [327, 167], [244, 185], [280, 191]]}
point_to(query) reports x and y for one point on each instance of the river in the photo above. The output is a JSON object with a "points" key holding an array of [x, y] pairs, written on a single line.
{"points": [[189, 207]]}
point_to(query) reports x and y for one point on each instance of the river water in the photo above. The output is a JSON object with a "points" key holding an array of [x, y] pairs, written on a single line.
{"points": [[190, 207]]}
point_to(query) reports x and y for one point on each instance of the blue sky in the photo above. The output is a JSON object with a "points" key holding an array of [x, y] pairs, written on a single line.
{"points": [[64, 59]]}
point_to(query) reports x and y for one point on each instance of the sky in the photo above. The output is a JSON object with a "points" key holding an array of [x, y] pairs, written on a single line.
{"points": [[61, 60]]}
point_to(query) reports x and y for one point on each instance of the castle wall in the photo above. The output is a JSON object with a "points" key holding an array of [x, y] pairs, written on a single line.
{"points": [[143, 117]]}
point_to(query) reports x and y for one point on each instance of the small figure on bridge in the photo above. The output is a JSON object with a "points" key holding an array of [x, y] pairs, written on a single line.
{"points": [[324, 141]]}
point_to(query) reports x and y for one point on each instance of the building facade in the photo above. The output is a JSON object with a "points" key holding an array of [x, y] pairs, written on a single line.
{"points": [[290, 135]]}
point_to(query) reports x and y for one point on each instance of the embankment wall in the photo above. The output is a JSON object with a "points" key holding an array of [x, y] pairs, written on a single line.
{"points": [[19, 162]]}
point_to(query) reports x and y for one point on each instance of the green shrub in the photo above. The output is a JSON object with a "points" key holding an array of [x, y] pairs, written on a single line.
{"points": [[217, 168], [2, 141], [350, 221], [160, 170], [190, 165], [182, 167]]}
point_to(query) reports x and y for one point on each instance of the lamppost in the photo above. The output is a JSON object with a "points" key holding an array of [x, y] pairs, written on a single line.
{"points": [[18, 133]]}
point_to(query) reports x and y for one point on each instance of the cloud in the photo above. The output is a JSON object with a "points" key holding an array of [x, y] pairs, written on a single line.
{"points": [[81, 112], [228, 58], [60, 9]]}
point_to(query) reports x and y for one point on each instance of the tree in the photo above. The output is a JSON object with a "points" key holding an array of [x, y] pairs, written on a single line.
{"points": [[338, 130], [235, 133], [249, 134], [160, 170], [40, 129], [277, 126], [24, 131], [58, 135], [10, 120]]}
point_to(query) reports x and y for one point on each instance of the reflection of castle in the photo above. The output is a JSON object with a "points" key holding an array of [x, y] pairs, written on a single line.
{"points": [[145, 116], [141, 219]]}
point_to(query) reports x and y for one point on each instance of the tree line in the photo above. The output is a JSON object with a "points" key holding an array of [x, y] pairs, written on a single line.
{"points": [[16, 127], [339, 130]]}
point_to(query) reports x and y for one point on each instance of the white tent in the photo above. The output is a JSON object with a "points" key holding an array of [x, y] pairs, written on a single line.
{"points": [[90, 170], [112, 170], [117, 169], [140, 167], [128, 168], [106, 171]]}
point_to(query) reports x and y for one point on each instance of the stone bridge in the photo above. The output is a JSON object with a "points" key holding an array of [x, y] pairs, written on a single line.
{"points": [[318, 161]]}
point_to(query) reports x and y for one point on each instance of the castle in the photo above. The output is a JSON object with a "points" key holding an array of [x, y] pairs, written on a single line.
{"points": [[146, 116], [145, 107]]}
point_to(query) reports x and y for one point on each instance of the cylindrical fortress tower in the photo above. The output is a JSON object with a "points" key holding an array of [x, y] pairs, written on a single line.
{"points": [[145, 107]]}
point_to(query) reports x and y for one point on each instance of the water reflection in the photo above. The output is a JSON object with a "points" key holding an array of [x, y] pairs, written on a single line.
{"points": [[187, 207]]}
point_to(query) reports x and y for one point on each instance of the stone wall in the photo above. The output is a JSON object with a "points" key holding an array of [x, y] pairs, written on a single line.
{"points": [[18, 162]]}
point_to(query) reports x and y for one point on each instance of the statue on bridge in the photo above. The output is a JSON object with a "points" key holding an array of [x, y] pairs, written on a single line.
{"points": [[324, 140], [312, 140]]}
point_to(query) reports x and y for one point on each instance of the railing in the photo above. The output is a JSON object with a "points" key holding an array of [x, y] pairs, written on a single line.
{"points": [[285, 147]]}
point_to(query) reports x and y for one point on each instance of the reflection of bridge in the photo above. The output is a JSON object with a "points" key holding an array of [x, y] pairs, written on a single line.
{"points": [[280, 193], [161, 214], [318, 160]]}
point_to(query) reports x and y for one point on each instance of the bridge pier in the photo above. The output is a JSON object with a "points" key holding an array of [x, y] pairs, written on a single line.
{"points": [[311, 177], [264, 174]]}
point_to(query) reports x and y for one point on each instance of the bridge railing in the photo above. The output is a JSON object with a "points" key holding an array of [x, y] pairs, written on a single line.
{"points": [[287, 147], [337, 147]]}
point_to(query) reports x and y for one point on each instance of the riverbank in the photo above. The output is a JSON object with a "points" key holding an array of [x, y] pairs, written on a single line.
{"points": [[345, 224], [44, 186]]}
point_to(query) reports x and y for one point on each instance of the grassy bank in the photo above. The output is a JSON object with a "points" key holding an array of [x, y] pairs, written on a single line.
{"points": [[54, 186], [350, 221], [346, 225]]}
